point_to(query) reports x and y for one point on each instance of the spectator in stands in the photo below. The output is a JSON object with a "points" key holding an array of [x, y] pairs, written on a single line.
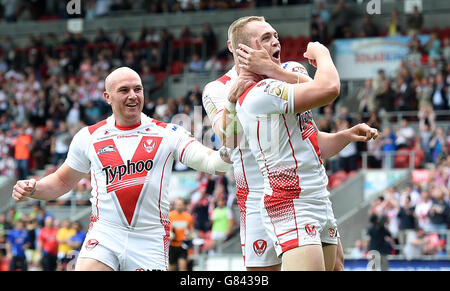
{"points": [[394, 28], [387, 141], [433, 46], [380, 239], [196, 65], [318, 28], [426, 128], [31, 252], [405, 135], [414, 21], [440, 210], [222, 222], [406, 94], [366, 97], [122, 41], [446, 50], [369, 29], [182, 233], [48, 244], [348, 155], [101, 37], [422, 211], [22, 153], [213, 65], [200, 210], [60, 143], [341, 18], [63, 237], [406, 215], [386, 96], [209, 40], [360, 250], [17, 242], [438, 145], [439, 97], [76, 241], [415, 246]]}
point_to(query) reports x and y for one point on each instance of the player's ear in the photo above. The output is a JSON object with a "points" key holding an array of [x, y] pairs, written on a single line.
{"points": [[106, 96], [230, 47]]}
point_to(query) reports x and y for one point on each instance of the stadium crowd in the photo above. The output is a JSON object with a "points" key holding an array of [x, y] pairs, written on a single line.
{"points": [[53, 87]]}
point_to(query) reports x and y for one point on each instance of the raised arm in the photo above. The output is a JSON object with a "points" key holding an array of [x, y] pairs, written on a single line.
{"points": [[324, 88], [49, 187]]}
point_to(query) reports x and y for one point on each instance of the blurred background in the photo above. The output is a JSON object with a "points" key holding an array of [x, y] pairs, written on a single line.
{"points": [[390, 196]]}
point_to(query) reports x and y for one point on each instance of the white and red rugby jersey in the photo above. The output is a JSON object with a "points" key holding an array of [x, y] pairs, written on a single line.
{"points": [[284, 143], [130, 170], [249, 181]]}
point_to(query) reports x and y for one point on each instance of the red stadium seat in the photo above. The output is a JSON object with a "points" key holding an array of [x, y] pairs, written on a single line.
{"points": [[177, 68]]}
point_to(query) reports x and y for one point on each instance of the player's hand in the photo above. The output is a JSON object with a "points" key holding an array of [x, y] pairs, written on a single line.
{"points": [[225, 154], [362, 133], [23, 189], [245, 80], [314, 51], [255, 60]]}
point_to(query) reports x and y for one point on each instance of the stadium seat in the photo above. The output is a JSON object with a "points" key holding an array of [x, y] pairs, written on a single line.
{"points": [[401, 160], [177, 68]]}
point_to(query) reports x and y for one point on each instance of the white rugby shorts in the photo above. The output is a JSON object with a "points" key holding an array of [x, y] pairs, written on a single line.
{"points": [[126, 250], [295, 222], [257, 248]]}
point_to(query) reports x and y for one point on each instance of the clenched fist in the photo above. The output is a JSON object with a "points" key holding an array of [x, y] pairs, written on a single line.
{"points": [[23, 189]]}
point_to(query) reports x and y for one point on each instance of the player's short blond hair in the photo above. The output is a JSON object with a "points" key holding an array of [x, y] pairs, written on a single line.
{"points": [[236, 33]]}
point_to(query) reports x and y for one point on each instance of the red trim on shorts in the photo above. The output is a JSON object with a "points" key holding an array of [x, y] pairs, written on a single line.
{"points": [[289, 245], [96, 126]]}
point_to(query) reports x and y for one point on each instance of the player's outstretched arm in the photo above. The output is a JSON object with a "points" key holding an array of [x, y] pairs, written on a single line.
{"points": [[49, 187], [326, 84], [204, 159], [330, 144]]}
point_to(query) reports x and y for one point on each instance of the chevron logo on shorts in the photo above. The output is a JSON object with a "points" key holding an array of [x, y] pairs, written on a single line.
{"points": [[91, 244], [259, 246], [310, 230]]}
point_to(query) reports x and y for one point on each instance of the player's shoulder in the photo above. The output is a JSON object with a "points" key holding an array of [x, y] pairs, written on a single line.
{"points": [[92, 129], [295, 67], [220, 83], [264, 88]]}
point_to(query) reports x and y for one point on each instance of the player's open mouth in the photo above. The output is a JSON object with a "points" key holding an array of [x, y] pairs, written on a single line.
{"points": [[276, 55], [131, 105]]}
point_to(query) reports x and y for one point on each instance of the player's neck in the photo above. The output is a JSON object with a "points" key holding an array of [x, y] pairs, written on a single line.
{"points": [[127, 127], [127, 124]]}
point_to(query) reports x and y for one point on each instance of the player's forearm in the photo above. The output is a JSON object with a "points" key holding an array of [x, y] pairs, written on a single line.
{"points": [[278, 73], [50, 187], [327, 77], [203, 159], [330, 144]]}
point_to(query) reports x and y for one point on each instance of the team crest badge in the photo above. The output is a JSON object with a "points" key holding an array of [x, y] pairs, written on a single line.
{"points": [[259, 246], [310, 230], [149, 145], [332, 232], [91, 244]]}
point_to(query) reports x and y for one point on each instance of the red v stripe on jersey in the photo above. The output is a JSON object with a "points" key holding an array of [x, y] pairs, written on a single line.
{"points": [[127, 189]]}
